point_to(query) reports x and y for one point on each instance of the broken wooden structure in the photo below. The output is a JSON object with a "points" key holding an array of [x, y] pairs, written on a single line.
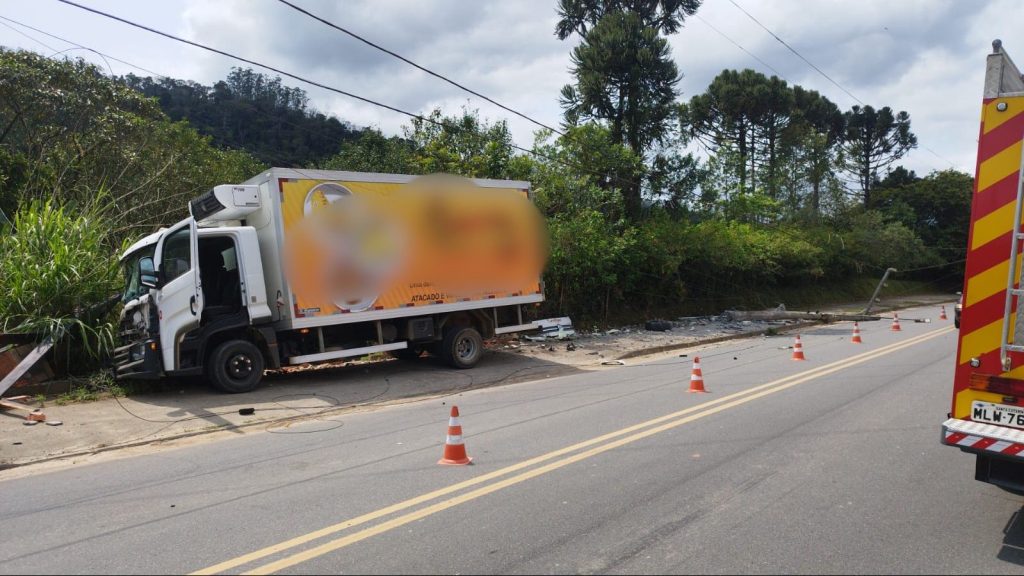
{"points": [[16, 361]]}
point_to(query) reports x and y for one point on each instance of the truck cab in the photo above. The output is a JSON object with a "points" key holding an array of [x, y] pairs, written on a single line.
{"points": [[195, 291]]}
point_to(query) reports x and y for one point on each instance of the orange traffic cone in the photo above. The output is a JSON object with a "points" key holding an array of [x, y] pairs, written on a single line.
{"points": [[895, 322], [798, 349], [943, 316], [696, 377], [856, 334], [454, 449]]}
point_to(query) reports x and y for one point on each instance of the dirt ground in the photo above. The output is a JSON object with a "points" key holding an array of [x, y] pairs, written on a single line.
{"points": [[594, 348]]}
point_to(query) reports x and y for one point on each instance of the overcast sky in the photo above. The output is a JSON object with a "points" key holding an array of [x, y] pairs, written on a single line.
{"points": [[923, 56]]}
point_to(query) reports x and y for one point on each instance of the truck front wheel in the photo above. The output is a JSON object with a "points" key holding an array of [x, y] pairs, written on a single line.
{"points": [[235, 366], [462, 347]]}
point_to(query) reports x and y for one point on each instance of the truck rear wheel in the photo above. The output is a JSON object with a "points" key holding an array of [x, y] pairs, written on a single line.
{"points": [[235, 366], [462, 347]]}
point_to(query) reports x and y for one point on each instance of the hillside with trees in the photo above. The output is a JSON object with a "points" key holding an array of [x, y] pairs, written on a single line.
{"points": [[252, 112]]}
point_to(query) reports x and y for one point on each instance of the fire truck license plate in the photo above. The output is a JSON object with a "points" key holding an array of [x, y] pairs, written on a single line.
{"points": [[997, 414]]}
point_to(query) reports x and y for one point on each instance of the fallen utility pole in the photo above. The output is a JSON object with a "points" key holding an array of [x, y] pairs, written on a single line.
{"points": [[878, 289], [769, 315]]}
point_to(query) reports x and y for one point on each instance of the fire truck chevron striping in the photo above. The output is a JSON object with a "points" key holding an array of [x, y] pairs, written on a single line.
{"points": [[987, 417]]}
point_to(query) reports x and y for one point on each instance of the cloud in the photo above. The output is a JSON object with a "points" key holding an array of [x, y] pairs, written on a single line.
{"points": [[922, 56], [504, 50]]}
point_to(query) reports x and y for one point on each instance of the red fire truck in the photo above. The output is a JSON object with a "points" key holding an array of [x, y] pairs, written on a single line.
{"points": [[987, 417]]}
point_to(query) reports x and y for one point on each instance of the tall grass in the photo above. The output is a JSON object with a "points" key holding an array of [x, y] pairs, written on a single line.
{"points": [[58, 268]]}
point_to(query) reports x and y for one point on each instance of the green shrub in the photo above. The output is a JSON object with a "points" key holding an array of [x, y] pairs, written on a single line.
{"points": [[55, 267]]}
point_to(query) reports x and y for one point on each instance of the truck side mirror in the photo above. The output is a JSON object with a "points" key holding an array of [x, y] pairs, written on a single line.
{"points": [[147, 273]]}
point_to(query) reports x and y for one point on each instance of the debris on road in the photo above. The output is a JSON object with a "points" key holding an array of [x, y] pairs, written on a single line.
{"points": [[554, 329], [777, 314], [658, 325], [592, 345]]}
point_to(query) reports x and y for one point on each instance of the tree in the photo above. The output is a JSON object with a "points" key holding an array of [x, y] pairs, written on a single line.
{"points": [[727, 119], [67, 131], [822, 128], [666, 16], [373, 152], [874, 140], [465, 145], [254, 112], [673, 180], [624, 72], [770, 139], [937, 207], [572, 173]]}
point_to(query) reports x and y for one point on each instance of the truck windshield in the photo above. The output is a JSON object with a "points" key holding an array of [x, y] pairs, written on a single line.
{"points": [[133, 289]]}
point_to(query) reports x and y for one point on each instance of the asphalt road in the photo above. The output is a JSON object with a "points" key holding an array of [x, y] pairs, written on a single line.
{"points": [[832, 465]]}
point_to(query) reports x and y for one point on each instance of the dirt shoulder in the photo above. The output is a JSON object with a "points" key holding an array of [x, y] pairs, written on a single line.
{"points": [[590, 348], [189, 412]]}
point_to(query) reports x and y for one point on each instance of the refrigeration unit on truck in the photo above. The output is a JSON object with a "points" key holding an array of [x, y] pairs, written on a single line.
{"points": [[295, 267], [987, 417]]}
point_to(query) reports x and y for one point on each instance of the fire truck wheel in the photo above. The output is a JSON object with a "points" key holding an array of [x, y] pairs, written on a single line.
{"points": [[462, 347], [235, 366]]}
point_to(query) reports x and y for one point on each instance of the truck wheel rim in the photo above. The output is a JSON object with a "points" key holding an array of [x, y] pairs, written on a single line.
{"points": [[240, 366], [465, 348]]}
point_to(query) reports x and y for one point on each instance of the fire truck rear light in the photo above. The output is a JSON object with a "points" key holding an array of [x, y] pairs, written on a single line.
{"points": [[997, 385]]}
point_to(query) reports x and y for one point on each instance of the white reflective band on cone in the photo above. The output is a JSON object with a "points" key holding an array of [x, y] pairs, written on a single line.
{"points": [[454, 421], [453, 439]]}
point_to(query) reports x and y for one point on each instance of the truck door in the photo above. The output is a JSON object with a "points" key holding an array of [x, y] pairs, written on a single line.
{"points": [[180, 298]]}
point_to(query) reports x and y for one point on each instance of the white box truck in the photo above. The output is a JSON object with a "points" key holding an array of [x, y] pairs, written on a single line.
{"points": [[303, 266]]}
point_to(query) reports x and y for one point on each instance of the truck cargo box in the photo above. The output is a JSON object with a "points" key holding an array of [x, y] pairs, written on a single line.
{"points": [[342, 247]]}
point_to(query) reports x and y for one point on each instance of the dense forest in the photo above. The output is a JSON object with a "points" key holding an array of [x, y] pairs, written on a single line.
{"points": [[252, 112], [751, 193]]}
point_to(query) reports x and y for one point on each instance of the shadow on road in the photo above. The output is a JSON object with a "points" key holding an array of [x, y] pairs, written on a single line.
{"points": [[312, 390], [1013, 539]]}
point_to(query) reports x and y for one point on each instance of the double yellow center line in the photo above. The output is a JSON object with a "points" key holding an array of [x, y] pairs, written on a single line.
{"points": [[572, 454]]}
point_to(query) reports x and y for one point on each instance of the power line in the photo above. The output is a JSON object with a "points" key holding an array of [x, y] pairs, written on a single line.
{"points": [[749, 53], [799, 55], [80, 46], [40, 42], [419, 67], [246, 60], [438, 76], [936, 154], [818, 70], [950, 263], [326, 87]]}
